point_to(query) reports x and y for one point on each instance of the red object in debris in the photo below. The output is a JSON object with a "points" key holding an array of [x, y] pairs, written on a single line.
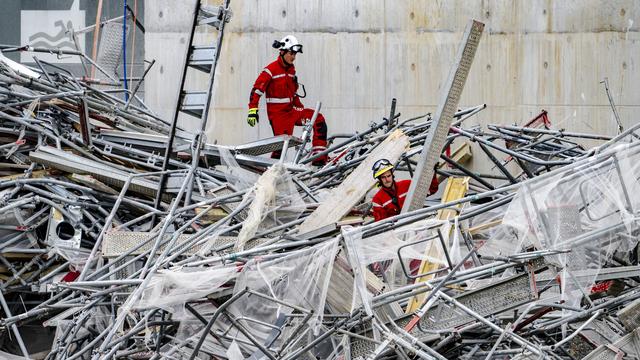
{"points": [[541, 120], [601, 287], [71, 276]]}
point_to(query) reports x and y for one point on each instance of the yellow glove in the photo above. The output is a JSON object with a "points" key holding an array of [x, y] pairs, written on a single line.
{"points": [[252, 118]]}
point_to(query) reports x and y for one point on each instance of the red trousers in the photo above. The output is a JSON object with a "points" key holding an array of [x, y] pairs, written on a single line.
{"points": [[283, 123]]}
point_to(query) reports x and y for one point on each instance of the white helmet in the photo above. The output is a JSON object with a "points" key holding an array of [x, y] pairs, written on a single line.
{"points": [[289, 43]]}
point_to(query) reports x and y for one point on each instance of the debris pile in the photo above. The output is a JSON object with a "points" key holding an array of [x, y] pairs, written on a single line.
{"points": [[244, 256]]}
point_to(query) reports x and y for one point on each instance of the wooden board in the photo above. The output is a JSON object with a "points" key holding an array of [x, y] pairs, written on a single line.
{"points": [[344, 197], [456, 189]]}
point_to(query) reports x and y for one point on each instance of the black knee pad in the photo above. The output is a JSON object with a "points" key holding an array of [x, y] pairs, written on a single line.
{"points": [[321, 130]]}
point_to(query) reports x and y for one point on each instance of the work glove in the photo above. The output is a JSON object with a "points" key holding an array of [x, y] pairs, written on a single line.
{"points": [[252, 118]]}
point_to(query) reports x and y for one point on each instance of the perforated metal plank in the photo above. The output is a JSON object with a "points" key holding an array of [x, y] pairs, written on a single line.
{"points": [[266, 146], [527, 356], [116, 243], [137, 140], [628, 347], [630, 315], [71, 163], [415, 331], [493, 299], [580, 346], [443, 118], [110, 49], [213, 157], [360, 349]]}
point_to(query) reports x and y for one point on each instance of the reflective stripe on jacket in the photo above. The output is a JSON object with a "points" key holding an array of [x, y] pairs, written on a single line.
{"points": [[279, 84], [388, 202], [384, 205]]}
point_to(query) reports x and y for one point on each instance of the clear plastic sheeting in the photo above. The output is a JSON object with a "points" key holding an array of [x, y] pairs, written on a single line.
{"points": [[238, 177], [76, 257], [392, 255], [234, 352], [170, 288], [297, 279], [275, 196], [586, 210], [490, 236], [188, 334]]}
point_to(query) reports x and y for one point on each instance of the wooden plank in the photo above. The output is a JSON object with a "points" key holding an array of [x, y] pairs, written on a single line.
{"points": [[482, 227], [211, 216], [460, 155], [90, 181], [34, 175], [456, 189], [344, 197], [340, 292]]}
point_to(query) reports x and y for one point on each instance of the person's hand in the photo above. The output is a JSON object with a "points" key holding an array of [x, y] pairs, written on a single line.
{"points": [[252, 118]]}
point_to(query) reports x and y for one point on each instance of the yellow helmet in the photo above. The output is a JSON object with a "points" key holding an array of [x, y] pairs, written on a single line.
{"points": [[380, 167]]}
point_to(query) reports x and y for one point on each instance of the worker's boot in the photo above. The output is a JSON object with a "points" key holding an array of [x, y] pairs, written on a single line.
{"points": [[320, 161]]}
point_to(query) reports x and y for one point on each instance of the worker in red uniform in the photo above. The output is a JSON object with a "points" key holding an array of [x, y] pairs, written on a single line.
{"points": [[388, 201], [278, 82]]}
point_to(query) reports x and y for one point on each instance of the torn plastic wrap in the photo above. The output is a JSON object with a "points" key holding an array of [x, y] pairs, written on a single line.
{"points": [[493, 238], [188, 332], [238, 177], [274, 196], [586, 209], [393, 255], [298, 278], [172, 288]]}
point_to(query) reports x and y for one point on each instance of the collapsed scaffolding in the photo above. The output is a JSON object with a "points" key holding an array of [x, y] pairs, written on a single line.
{"points": [[244, 256]]}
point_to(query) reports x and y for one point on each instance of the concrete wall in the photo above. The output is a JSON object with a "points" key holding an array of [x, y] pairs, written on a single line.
{"points": [[359, 54]]}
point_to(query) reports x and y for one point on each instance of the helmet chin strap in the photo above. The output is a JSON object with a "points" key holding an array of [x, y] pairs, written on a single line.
{"points": [[282, 52]]}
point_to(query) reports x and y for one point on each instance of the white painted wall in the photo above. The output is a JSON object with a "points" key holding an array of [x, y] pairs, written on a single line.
{"points": [[358, 54]]}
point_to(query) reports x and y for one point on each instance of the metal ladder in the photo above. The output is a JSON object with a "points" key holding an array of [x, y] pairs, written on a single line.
{"points": [[200, 57]]}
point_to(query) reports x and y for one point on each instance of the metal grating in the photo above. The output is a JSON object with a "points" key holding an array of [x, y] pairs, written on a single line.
{"points": [[361, 349], [117, 243], [269, 145], [110, 49], [628, 347], [493, 299], [444, 116], [630, 315]]}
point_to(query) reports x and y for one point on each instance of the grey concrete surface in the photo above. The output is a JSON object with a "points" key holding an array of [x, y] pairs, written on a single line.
{"points": [[359, 54]]}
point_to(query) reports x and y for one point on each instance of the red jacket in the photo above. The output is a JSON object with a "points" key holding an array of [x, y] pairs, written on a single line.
{"points": [[388, 202], [384, 205], [279, 83]]}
